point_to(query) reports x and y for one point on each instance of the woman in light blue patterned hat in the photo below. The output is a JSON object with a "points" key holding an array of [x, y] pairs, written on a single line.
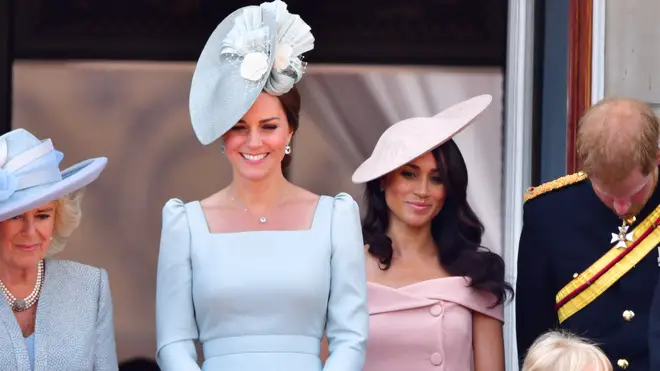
{"points": [[257, 271], [55, 315]]}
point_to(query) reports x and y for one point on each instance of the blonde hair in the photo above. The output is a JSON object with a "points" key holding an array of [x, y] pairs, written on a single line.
{"points": [[617, 136], [562, 351], [67, 218]]}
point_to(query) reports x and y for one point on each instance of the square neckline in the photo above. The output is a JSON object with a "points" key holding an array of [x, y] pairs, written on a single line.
{"points": [[207, 230]]}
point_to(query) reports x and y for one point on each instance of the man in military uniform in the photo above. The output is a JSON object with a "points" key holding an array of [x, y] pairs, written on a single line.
{"points": [[588, 256]]}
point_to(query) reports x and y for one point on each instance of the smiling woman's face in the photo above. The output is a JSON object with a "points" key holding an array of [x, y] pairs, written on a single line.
{"points": [[415, 192], [255, 145], [25, 238]]}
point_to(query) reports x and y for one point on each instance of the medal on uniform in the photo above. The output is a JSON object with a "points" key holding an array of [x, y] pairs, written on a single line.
{"points": [[623, 236]]}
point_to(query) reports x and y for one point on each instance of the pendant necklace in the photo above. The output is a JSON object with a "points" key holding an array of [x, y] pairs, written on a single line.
{"points": [[19, 305], [262, 219]]}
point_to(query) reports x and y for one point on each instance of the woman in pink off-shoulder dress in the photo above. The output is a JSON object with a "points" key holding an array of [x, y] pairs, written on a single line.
{"points": [[435, 294]]}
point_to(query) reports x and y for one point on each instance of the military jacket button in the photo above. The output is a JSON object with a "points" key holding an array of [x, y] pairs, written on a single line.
{"points": [[628, 315], [622, 363]]}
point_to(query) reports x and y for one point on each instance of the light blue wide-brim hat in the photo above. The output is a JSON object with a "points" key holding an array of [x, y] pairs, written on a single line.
{"points": [[254, 49], [30, 176]]}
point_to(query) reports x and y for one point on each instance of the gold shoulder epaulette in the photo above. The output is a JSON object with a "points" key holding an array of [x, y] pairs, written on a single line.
{"points": [[552, 185]]}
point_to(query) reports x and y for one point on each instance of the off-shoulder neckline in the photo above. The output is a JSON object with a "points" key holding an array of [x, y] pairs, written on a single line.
{"points": [[415, 284]]}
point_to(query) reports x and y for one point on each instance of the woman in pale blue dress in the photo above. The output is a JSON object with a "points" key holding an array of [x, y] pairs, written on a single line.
{"points": [[259, 270]]}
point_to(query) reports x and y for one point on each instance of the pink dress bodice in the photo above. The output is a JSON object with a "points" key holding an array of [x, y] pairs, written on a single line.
{"points": [[424, 326]]}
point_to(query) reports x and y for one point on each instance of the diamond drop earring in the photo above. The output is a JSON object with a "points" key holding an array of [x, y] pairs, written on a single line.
{"points": [[287, 150], [222, 147]]}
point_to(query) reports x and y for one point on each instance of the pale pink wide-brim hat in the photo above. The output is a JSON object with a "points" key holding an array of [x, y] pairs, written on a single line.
{"points": [[408, 139]]}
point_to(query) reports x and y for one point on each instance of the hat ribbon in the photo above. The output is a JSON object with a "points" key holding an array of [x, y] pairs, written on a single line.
{"points": [[12, 179]]}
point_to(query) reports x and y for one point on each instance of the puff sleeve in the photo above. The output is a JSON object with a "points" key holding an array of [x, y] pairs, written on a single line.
{"points": [[348, 316], [106, 350], [175, 317]]}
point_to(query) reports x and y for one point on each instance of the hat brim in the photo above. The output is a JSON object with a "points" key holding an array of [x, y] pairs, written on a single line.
{"points": [[219, 96], [73, 179], [420, 135]]}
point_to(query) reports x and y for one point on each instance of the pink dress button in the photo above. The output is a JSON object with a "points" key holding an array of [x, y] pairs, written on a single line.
{"points": [[436, 310], [436, 359]]}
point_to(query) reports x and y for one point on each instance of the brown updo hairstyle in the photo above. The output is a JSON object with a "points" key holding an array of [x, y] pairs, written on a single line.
{"points": [[291, 103]]}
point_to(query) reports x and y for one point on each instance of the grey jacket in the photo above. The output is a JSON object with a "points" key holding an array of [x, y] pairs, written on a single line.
{"points": [[74, 328]]}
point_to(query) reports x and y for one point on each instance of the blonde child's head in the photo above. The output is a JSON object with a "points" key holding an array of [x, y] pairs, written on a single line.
{"points": [[560, 351]]}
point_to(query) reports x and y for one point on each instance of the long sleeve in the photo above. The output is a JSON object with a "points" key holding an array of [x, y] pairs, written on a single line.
{"points": [[348, 317], [106, 350], [654, 330], [176, 328], [535, 313]]}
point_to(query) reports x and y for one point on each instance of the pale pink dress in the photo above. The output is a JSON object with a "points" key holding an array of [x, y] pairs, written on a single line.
{"points": [[424, 326]]}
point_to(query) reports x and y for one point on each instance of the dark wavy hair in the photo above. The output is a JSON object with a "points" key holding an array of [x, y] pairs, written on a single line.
{"points": [[456, 230], [291, 103]]}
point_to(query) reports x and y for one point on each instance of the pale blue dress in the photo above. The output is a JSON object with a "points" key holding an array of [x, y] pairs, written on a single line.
{"points": [[260, 300]]}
